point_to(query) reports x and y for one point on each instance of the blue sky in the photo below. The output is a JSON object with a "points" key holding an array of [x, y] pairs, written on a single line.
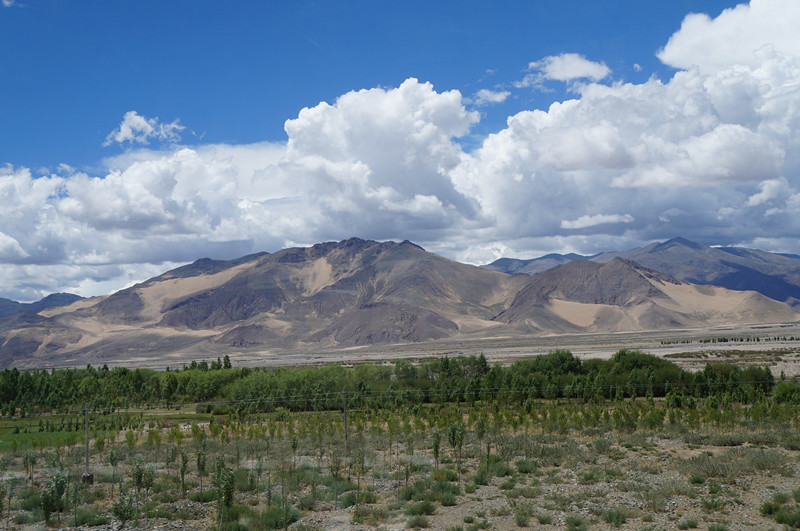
{"points": [[233, 72], [135, 136]]}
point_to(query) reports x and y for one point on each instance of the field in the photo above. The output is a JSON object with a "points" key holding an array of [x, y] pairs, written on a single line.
{"points": [[596, 451]]}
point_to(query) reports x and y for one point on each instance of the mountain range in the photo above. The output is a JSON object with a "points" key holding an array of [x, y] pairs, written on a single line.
{"points": [[357, 292], [775, 275]]}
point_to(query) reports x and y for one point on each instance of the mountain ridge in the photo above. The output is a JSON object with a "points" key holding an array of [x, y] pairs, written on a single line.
{"points": [[775, 275], [358, 292]]}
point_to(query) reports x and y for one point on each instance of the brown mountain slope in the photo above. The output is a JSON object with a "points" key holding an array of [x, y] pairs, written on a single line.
{"points": [[621, 295], [352, 292], [357, 292]]}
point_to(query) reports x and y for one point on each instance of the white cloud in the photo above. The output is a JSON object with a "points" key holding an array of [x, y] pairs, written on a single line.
{"points": [[712, 152], [136, 129], [489, 97], [769, 190], [738, 36], [565, 67], [596, 219]]}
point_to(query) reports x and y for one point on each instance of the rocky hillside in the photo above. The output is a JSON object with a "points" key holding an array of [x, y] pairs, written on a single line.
{"points": [[356, 292], [775, 275]]}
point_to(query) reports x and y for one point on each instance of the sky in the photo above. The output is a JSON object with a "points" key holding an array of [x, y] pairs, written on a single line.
{"points": [[139, 136]]}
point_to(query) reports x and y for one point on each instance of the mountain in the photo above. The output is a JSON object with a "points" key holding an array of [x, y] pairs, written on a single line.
{"points": [[9, 307], [775, 275], [348, 293], [772, 274], [621, 295], [354, 293], [534, 265]]}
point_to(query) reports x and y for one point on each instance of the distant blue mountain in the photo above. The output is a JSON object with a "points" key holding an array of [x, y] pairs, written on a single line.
{"points": [[9, 307], [772, 274]]}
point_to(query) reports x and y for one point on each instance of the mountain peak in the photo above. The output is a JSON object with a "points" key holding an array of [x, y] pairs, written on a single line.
{"points": [[676, 242]]}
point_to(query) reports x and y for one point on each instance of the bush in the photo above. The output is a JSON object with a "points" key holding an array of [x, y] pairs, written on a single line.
{"points": [[204, 497], [371, 516], [508, 484], [273, 518], [90, 518], [602, 445], [420, 508], [615, 517], [576, 523], [416, 522], [124, 508], [444, 474], [590, 477], [351, 498], [525, 466], [697, 479], [689, 523]]}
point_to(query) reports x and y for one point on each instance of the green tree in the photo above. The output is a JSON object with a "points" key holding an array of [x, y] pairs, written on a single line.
{"points": [[113, 460], [455, 436], [201, 467], [52, 497], [437, 443], [183, 469], [123, 508]]}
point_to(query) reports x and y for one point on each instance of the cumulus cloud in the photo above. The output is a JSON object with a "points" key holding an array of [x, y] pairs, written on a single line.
{"points": [[769, 190], [596, 219], [712, 154], [748, 31], [565, 67], [489, 97], [136, 129]]}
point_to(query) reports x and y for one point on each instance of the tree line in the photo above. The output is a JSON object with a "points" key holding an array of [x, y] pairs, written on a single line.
{"points": [[218, 385]]}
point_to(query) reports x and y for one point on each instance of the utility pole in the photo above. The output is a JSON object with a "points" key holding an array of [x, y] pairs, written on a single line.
{"points": [[87, 476]]}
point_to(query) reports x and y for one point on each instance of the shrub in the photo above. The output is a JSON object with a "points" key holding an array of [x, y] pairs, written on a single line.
{"points": [[371, 516], [590, 476], [769, 509], [417, 521], [444, 474], [90, 518], [576, 523], [124, 508], [789, 518], [689, 523], [204, 497], [615, 517], [273, 518], [508, 484], [697, 479], [780, 498], [351, 498], [602, 445], [525, 466], [420, 508]]}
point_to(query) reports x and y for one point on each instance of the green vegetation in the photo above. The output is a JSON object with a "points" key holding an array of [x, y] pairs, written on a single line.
{"points": [[240, 448]]}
